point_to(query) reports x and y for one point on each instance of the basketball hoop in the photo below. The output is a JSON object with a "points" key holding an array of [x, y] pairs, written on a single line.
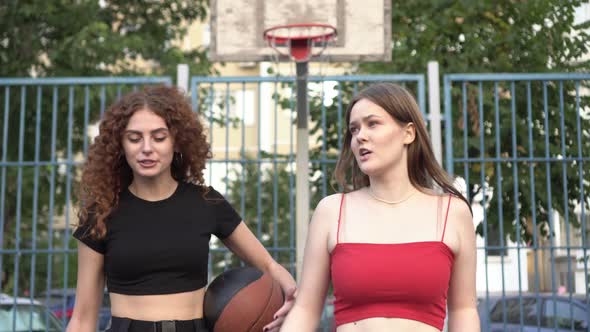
{"points": [[300, 42]]}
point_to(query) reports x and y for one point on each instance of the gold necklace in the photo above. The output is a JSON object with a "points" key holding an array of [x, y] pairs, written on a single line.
{"points": [[391, 202]]}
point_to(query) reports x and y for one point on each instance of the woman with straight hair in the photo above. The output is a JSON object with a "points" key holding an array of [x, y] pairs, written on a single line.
{"points": [[398, 245], [146, 218]]}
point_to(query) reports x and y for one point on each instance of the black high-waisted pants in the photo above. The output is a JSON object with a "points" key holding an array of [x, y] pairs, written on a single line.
{"points": [[119, 324]]}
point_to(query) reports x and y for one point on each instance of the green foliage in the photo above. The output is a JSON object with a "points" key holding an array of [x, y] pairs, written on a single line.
{"points": [[553, 134], [485, 37], [253, 186], [263, 195], [96, 38], [34, 197], [504, 36]]}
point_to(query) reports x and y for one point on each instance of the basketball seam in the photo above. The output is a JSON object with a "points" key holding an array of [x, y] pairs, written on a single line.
{"points": [[243, 285], [265, 307]]}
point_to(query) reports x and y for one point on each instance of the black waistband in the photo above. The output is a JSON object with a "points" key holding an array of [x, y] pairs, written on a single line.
{"points": [[120, 324]]}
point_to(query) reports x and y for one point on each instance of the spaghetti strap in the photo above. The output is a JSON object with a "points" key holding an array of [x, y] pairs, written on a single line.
{"points": [[339, 217], [446, 217], [438, 214]]}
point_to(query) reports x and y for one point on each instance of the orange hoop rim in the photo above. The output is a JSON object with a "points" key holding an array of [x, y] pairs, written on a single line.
{"points": [[300, 48], [268, 34]]}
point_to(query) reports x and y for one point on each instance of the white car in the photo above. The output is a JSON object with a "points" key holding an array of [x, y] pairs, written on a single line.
{"points": [[18, 314]]}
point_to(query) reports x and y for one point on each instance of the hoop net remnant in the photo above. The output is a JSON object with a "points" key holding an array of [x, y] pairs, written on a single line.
{"points": [[300, 42]]}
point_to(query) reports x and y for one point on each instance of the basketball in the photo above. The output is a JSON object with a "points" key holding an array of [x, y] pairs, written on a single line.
{"points": [[241, 300]]}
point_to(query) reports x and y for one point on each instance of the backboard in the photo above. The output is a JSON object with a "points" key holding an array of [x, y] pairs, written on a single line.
{"points": [[363, 28]]}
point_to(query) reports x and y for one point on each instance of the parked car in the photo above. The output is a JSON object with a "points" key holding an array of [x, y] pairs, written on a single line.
{"points": [[327, 323], [61, 302], [24, 315], [540, 313]]}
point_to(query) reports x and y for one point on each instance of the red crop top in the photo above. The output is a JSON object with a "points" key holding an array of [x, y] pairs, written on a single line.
{"points": [[397, 280]]}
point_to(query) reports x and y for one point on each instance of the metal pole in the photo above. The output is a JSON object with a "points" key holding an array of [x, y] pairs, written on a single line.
{"points": [[182, 76], [434, 108], [302, 166]]}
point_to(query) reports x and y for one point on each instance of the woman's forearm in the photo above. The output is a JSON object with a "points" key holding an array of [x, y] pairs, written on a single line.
{"points": [[81, 325], [300, 319], [279, 273], [466, 319]]}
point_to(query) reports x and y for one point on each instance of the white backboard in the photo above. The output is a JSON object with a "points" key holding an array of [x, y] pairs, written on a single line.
{"points": [[363, 27]]}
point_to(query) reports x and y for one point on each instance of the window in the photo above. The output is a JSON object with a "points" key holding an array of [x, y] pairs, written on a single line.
{"points": [[494, 241], [244, 106], [238, 105]]}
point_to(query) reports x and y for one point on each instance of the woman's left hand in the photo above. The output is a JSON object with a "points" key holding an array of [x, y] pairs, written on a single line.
{"points": [[280, 315]]}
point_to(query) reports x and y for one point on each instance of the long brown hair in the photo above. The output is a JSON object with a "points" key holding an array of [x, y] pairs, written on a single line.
{"points": [[106, 172], [423, 169]]}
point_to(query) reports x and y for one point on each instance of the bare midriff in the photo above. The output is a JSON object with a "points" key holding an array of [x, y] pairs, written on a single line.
{"points": [[386, 324], [179, 306]]}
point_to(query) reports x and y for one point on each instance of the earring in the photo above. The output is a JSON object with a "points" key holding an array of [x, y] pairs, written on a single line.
{"points": [[178, 158]]}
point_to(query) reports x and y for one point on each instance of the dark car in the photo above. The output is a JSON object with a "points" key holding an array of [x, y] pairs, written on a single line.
{"points": [[327, 323], [61, 302], [532, 312], [23, 314]]}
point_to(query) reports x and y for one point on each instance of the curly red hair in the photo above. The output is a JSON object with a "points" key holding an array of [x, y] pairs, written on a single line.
{"points": [[106, 172]]}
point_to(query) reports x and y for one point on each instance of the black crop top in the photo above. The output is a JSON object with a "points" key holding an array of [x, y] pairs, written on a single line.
{"points": [[162, 247]]}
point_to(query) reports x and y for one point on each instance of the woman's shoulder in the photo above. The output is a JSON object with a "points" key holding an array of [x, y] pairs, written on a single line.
{"points": [[200, 189], [191, 193], [330, 201], [460, 212], [326, 213], [331, 204], [327, 207]]}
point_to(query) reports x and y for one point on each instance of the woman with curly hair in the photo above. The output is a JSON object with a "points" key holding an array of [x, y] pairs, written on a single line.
{"points": [[146, 218]]}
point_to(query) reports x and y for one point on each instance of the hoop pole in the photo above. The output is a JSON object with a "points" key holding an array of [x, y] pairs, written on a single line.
{"points": [[434, 108], [302, 165]]}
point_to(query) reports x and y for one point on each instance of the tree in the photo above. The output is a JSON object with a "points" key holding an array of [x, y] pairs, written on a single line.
{"points": [[263, 194], [97, 38], [63, 39], [496, 37], [487, 36]]}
